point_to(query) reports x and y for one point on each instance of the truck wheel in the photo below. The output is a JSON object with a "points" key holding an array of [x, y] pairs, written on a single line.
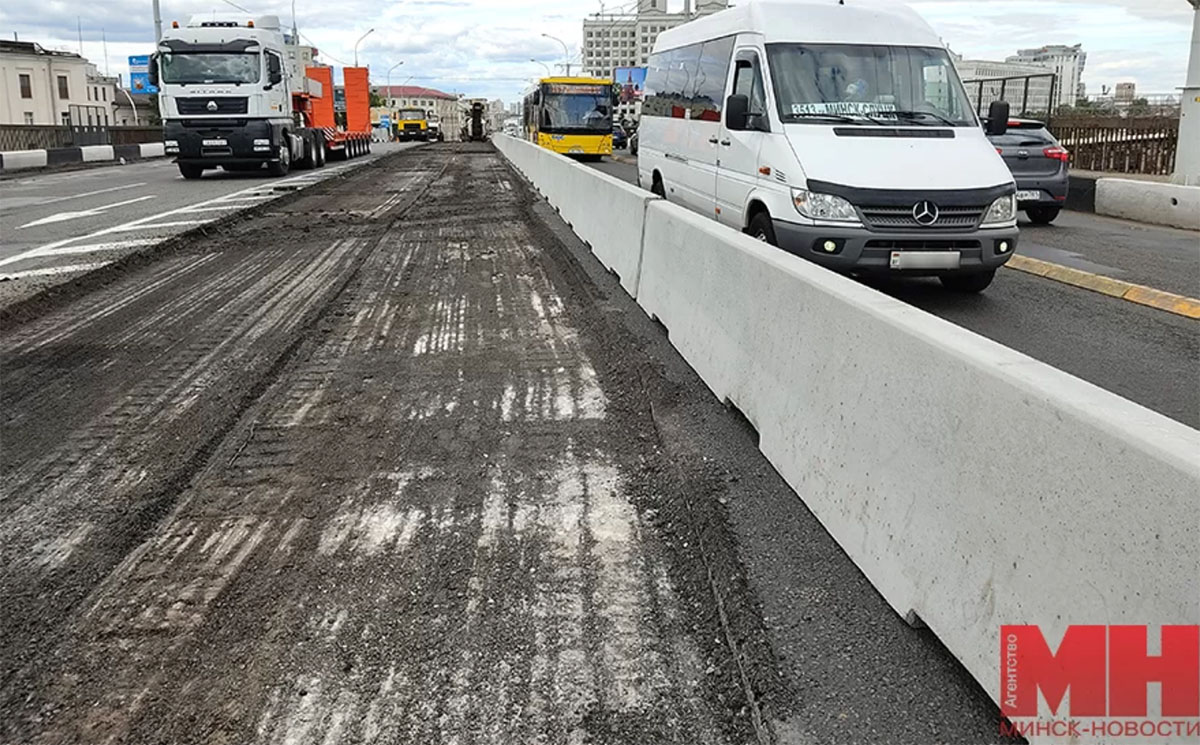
{"points": [[974, 282], [1042, 215], [309, 161], [191, 170], [319, 153], [284, 164]]}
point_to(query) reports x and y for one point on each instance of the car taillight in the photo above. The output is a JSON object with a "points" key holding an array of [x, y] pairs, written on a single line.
{"points": [[1057, 153]]}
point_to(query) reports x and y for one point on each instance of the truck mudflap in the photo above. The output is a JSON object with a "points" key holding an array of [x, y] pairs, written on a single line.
{"points": [[218, 143]]}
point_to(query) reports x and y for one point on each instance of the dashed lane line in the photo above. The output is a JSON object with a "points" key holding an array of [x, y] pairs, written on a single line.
{"points": [[1150, 297]]}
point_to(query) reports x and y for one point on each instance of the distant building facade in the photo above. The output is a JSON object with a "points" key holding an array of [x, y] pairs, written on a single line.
{"points": [[44, 87], [1125, 92], [1068, 62], [443, 105]]}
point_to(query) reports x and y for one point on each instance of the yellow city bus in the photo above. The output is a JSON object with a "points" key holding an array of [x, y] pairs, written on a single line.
{"points": [[573, 116]]}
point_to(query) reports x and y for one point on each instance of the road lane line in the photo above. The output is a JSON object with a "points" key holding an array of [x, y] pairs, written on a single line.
{"points": [[154, 226], [91, 248], [53, 270], [326, 173], [64, 216], [1150, 297], [88, 194]]}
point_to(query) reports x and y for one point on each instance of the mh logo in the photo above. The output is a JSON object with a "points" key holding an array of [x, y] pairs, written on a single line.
{"points": [[1106, 668]]}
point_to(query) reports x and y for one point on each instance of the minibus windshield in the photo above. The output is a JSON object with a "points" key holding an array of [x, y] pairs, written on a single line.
{"points": [[192, 67], [586, 110], [868, 84]]}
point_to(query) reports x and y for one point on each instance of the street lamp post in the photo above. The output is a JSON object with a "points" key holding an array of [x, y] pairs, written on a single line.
{"points": [[1187, 159], [566, 53], [389, 83], [369, 32], [549, 72], [132, 105]]}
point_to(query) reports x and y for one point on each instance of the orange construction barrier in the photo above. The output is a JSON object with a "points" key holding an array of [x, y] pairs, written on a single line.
{"points": [[358, 99], [322, 108]]}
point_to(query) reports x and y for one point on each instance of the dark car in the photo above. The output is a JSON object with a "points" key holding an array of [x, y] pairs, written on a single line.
{"points": [[620, 140], [1039, 164]]}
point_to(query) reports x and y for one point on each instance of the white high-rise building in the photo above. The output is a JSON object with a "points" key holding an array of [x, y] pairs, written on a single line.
{"points": [[982, 79], [626, 40], [1067, 62]]}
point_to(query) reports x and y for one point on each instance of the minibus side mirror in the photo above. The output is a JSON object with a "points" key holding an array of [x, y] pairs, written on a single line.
{"points": [[737, 111], [997, 120]]}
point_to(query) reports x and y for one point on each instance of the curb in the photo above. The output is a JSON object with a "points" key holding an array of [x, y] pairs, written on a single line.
{"points": [[1179, 305], [623, 159], [14, 160]]}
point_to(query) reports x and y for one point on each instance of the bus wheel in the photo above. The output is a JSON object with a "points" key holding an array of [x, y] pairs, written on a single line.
{"points": [[658, 188]]}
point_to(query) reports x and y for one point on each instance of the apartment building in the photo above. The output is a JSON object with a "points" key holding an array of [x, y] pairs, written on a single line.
{"points": [[1067, 61]]}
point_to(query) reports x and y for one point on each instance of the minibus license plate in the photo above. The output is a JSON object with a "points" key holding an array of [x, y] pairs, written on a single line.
{"points": [[925, 259], [1029, 196], [215, 143]]}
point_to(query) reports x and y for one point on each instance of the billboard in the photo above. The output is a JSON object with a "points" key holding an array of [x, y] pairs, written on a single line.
{"points": [[631, 82], [139, 74]]}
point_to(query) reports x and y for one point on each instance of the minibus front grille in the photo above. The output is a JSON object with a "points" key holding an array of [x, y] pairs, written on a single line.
{"points": [[949, 218], [929, 245]]}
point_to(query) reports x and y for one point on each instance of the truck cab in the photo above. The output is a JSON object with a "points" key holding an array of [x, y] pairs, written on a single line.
{"points": [[412, 124], [228, 93]]}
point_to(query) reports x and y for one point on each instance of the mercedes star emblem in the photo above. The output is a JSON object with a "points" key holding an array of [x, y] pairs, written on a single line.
{"points": [[925, 213], [212, 106]]}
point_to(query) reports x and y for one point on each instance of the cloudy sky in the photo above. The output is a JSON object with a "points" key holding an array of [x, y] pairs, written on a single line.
{"points": [[484, 47]]}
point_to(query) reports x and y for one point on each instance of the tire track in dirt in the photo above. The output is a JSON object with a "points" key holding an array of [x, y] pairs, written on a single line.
{"points": [[422, 532], [113, 400]]}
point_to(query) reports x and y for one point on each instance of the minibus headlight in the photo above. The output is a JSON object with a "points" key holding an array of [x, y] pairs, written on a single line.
{"points": [[817, 206], [1002, 212]]}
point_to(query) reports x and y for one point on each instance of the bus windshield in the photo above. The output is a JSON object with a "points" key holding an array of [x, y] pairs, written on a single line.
{"points": [[916, 86], [192, 67], [576, 109]]}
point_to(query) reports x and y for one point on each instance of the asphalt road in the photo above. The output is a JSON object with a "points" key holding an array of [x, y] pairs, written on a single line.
{"points": [[417, 472], [71, 221], [1146, 355]]}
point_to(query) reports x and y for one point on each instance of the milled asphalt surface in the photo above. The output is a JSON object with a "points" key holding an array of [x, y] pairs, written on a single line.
{"points": [[420, 472], [1146, 355]]}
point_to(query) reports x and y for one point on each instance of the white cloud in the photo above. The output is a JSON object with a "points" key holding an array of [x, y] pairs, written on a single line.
{"points": [[483, 47]]}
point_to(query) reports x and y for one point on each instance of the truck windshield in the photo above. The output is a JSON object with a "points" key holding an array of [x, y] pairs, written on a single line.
{"points": [[411, 114], [819, 83], [567, 112], [195, 67]]}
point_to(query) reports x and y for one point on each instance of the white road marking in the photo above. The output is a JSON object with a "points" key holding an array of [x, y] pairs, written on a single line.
{"points": [[64, 216], [50, 247], [87, 248], [157, 225], [89, 194], [53, 270]]}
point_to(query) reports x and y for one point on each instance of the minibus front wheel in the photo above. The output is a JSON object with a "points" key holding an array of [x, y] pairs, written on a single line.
{"points": [[761, 228], [657, 187]]}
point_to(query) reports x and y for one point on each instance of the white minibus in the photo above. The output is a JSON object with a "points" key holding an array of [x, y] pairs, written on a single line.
{"points": [[837, 130]]}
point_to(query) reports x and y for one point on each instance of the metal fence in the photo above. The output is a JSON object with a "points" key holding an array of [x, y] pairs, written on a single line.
{"points": [[1116, 144], [39, 137], [1030, 96]]}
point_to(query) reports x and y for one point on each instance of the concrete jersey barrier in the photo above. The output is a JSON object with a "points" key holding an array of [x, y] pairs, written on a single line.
{"points": [[973, 485], [19, 159], [606, 213]]}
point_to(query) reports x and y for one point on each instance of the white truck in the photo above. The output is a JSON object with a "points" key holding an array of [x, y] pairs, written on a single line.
{"points": [[240, 94]]}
